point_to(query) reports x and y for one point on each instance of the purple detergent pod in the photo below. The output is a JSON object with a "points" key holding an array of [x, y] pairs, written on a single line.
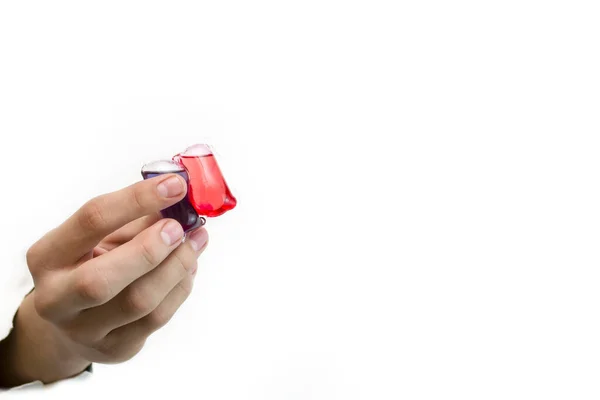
{"points": [[183, 212]]}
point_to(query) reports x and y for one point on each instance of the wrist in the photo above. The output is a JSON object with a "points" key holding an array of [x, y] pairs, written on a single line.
{"points": [[37, 351]]}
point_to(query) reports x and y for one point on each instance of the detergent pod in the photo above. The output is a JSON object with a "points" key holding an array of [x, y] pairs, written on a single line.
{"points": [[208, 194]]}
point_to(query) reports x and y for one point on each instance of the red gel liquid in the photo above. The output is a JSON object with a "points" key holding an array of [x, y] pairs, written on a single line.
{"points": [[208, 192]]}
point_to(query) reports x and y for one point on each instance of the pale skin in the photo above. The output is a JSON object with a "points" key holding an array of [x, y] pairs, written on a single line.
{"points": [[105, 279]]}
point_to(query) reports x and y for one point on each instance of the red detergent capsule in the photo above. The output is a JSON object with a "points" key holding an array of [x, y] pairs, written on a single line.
{"points": [[208, 192]]}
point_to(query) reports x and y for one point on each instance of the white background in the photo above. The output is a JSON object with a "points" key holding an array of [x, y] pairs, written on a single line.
{"points": [[419, 203]]}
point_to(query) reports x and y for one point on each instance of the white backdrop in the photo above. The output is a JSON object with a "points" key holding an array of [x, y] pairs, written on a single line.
{"points": [[417, 182]]}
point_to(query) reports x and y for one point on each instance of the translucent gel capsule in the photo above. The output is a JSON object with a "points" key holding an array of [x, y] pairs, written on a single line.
{"points": [[208, 193], [183, 212]]}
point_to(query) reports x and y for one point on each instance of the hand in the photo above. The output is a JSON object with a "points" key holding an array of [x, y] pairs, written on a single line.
{"points": [[109, 276]]}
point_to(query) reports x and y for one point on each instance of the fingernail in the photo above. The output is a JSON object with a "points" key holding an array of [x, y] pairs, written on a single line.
{"points": [[198, 239], [171, 233], [171, 187]]}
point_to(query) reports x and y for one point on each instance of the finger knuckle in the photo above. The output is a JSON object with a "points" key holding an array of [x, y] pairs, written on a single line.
{"points": [[109, 349], [185, 286], [184, 262], [148, 253], [92, 215], [129, 352], [137, 301], [92, 288], [117, 351], [158, 318], [32, 257], [76, 335], [138, 198], [43, 304]]}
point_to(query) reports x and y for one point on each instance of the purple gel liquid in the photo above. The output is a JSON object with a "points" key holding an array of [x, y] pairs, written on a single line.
{"points": [[182, 212]]}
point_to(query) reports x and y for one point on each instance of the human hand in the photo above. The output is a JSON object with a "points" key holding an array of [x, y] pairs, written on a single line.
{"points": [[115, 272]]}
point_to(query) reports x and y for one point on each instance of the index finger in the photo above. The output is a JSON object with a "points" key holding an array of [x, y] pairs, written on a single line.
{"points": [[101, 216]]}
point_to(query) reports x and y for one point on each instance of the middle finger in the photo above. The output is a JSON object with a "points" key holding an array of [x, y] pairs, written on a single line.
{"points": [[145, 294]]}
